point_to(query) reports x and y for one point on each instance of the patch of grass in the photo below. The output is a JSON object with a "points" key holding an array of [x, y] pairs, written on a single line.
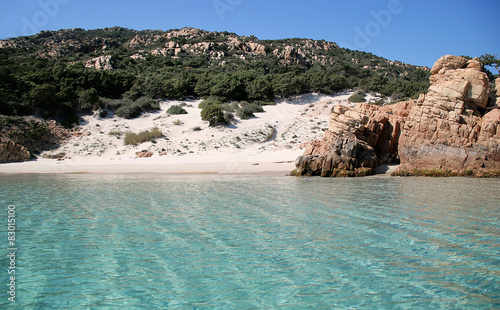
{"points": [[148, 135], [177, 122], [117, 134]]}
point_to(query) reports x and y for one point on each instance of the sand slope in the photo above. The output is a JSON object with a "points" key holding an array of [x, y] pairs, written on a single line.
{"points": [[267, 143]]}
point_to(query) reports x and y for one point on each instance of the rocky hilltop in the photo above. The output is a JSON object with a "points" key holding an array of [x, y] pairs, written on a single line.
{"points": [[452, 130], [64, 75], [95, 48]]}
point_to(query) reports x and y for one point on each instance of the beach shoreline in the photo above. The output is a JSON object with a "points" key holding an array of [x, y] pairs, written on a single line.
{"points": [[268, 143], [224, 163]]}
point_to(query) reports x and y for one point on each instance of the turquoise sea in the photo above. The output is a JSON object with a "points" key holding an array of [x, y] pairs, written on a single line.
{"points": [[251, 242]]}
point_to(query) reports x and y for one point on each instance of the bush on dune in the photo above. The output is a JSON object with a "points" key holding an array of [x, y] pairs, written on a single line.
{"points": [[148, 135], [176, 110]]}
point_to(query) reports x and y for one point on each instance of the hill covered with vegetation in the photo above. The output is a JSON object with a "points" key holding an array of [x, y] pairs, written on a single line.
{"points": [[58, 74]]}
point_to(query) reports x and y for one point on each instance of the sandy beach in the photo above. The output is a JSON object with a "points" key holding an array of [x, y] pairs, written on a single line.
{"points": [[278, 163], [270, 142]]}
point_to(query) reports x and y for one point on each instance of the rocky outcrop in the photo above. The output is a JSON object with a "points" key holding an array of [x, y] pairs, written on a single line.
{"points": [[358, 139], [21, 138], [12, 152], [256, 48], [100, 63], [219, 48], [458, 80], [450, 128]]}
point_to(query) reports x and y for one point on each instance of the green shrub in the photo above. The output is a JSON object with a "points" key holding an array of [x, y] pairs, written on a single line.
{"points": [[88, 99], [176, 110], [103, 113], [228, 117], [213, 114], [113, 104], [37, 130], [148, 135], [8, 121], [357, 98], [361, 93], [147, 103], [247, 111], [378, 102], [210, 101], [69, 120], [116, 134], [127, 108], [129, 111]]}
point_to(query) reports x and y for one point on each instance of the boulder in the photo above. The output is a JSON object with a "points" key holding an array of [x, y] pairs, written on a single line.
{"points": [[459, 80], [12, 152], [144, 154]]}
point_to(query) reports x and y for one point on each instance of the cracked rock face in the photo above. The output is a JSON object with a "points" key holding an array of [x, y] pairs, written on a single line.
{"points": [[358, 139], [451, 127]]}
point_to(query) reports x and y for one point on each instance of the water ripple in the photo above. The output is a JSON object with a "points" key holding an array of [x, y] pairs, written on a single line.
{"points": [[247, 242]]}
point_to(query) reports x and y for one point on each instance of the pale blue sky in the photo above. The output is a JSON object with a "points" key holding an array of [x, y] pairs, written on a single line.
{"points": [[413, 31]]}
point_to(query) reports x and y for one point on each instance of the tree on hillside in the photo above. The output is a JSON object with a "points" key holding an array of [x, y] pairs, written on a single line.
{"points": [[43, 96], [490, 60]]}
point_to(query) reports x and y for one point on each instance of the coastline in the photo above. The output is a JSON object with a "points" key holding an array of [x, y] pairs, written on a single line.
{"points": [[224, 163], [97, 144]]}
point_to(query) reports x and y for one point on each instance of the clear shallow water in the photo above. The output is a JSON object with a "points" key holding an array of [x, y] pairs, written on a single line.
{"points": [[250, 242]]}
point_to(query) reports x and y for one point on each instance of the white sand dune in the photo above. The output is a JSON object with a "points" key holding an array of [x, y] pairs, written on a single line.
{"points": [[267, 143]]}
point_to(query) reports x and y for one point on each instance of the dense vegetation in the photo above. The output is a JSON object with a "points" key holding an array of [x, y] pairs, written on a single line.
{"points": [[34, 83]]}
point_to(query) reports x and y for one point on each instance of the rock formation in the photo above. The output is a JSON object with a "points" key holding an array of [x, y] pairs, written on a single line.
{"points": [[24, 137], [12, 152], [450, 128], [358, 139], [100, 63], [218, 47]]}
